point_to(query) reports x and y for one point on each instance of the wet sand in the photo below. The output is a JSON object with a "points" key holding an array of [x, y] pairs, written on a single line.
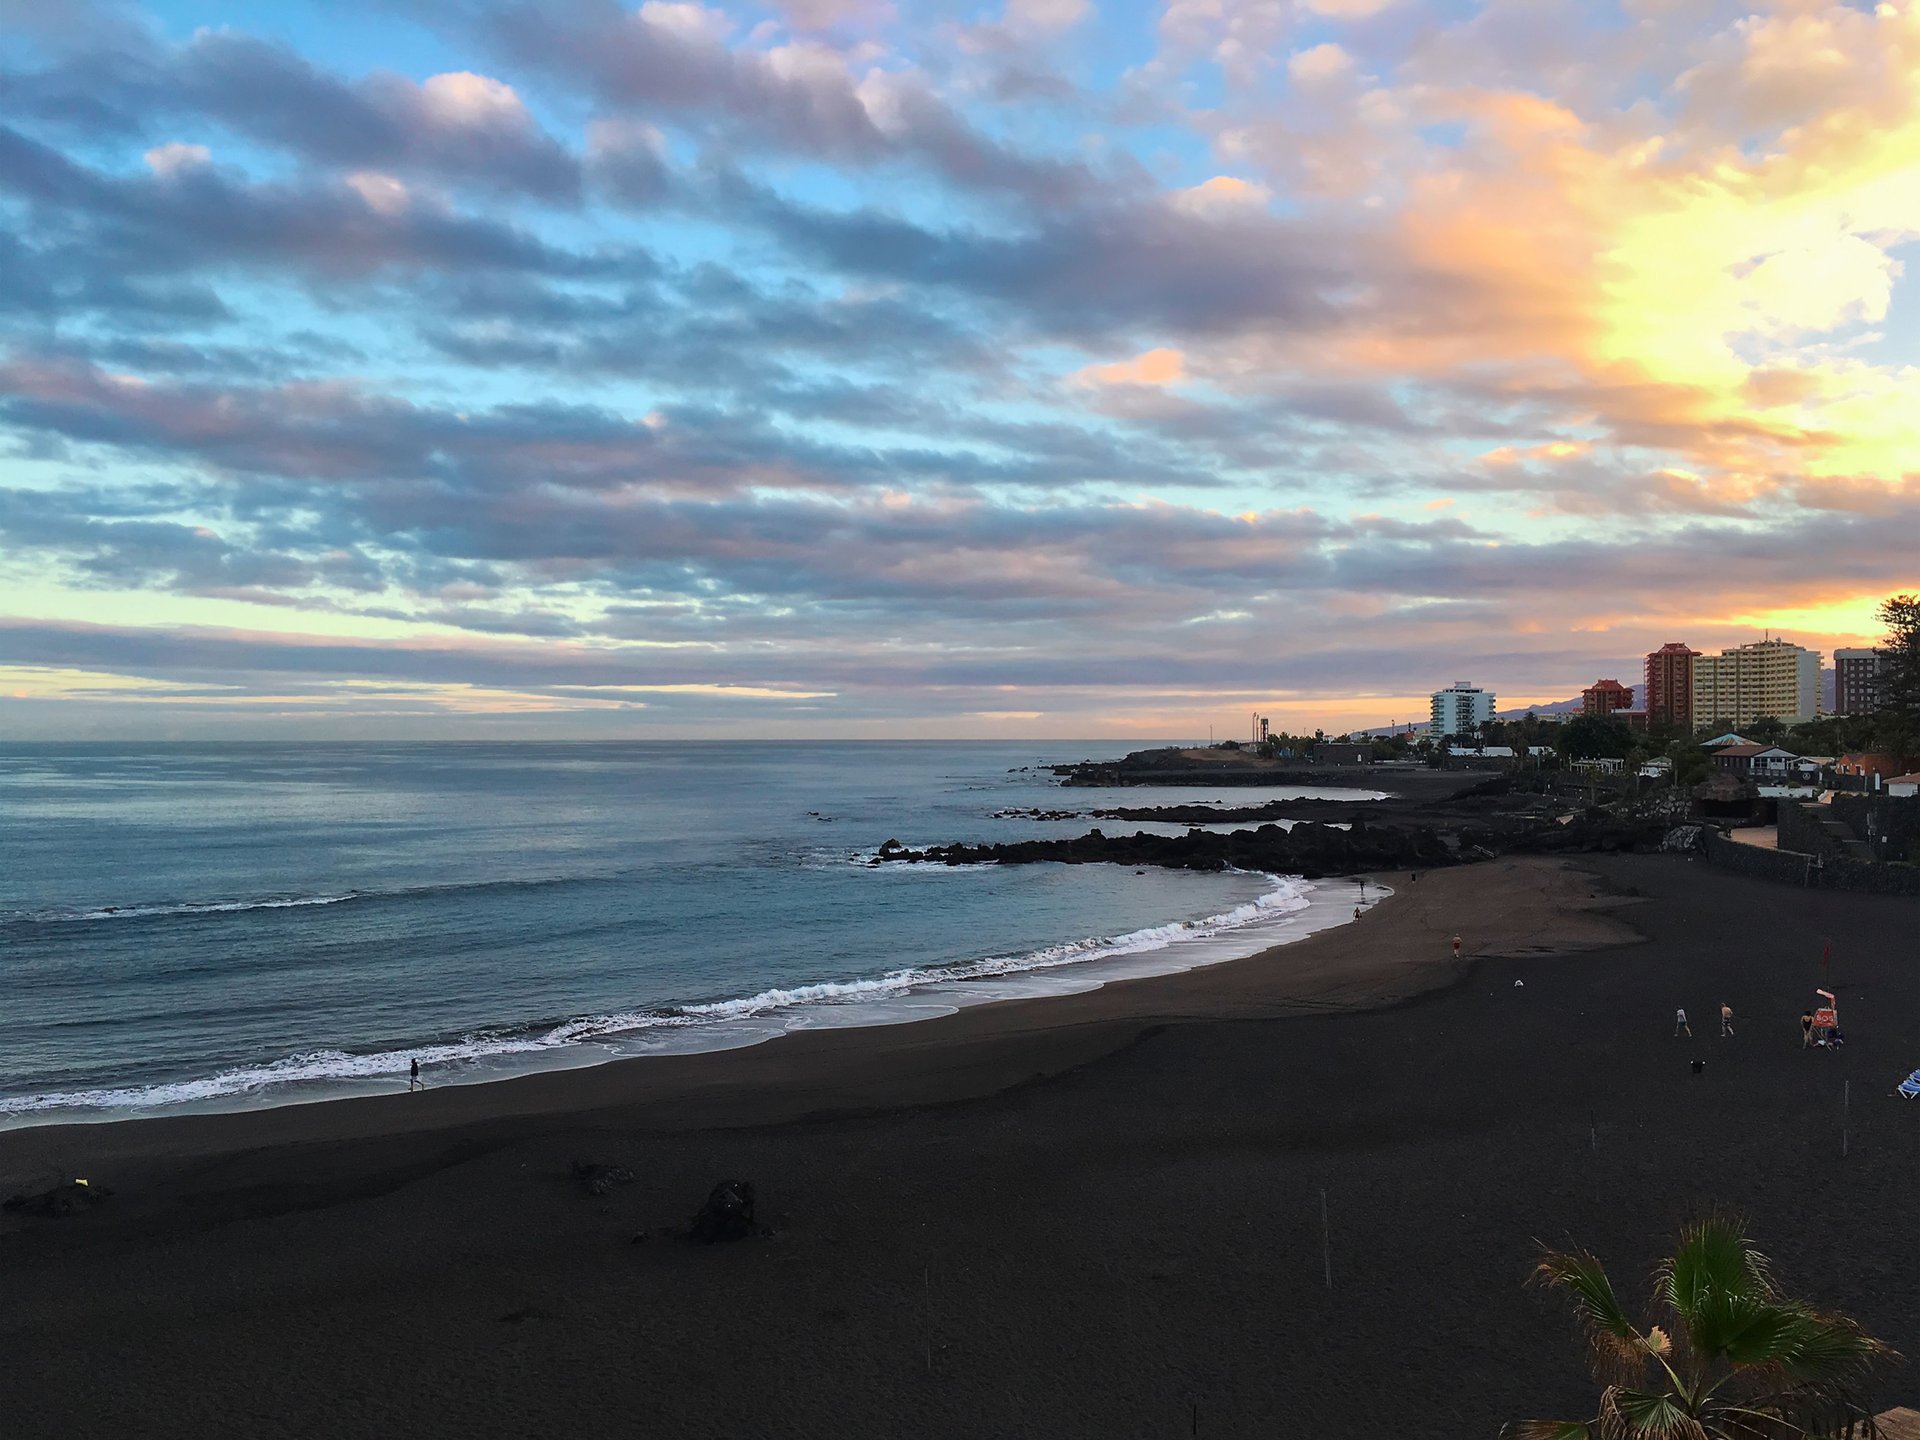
{"points": [[1096, 1214]]}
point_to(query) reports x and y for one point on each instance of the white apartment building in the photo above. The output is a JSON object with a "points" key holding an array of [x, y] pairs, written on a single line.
{"points": [[1768, 677], [1458, 709]]}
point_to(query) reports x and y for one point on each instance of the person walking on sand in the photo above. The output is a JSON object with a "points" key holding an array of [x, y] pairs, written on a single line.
{"points": [[1456, 947], [413, 1076], [1680, 1025], [1726, 1019]]}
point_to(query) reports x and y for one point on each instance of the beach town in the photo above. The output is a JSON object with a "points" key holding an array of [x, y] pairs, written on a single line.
{"points": [[959, 719], [1584, 1016]]}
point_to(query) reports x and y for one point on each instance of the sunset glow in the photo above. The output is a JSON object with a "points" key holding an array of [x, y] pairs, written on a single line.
{"points": [[1033, 368]]}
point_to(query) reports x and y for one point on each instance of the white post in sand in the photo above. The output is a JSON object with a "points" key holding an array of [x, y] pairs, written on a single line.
{"points": [[1326, 1242]]}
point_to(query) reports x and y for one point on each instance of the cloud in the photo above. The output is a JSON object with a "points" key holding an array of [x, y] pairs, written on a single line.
{"points": [[917, 367], [628, 158], [1154, 367], [673, 62], [1221, 195], [1046, 17], [1319, 65], [173, 157], [458, 127], [829, 14], [1347, 9], [198, 217]]}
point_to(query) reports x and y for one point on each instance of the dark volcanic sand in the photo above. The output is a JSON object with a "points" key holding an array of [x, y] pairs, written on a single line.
{"points": [[1092, 1254]]}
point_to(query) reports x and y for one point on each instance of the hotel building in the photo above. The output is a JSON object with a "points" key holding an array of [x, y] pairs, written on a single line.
{"points": [[1856, 682], [1768, 677], [1603, 697], [1458, 709], [1669, 693]]}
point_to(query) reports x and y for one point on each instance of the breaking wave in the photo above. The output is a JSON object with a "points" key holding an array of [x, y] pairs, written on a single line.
{"points": [[314, 1074]]}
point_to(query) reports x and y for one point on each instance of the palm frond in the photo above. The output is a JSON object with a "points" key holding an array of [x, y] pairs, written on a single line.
{"points": [[1737, 1330], [1821, 1346], [1617, 1349], [1780, 1369], [1714, 1275], [1627, 1414]]}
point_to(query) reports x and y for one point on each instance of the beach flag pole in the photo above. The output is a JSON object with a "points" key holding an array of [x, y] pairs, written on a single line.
{"points": [[1326, 1242]]}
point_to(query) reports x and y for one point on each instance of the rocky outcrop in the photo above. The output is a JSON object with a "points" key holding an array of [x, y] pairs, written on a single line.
{"points": [[1171, 767], [1308, 849], [1242, 769]]}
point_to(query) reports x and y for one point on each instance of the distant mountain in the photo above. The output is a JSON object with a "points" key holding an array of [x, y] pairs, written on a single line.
{"points": [[1564, 707], [1557, 707], [1572, 707], [1553, 708]]}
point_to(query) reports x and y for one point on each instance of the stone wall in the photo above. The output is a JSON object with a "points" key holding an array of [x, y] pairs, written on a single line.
{"points": [[1891, 826], [1812, 871], [1800, 830]]}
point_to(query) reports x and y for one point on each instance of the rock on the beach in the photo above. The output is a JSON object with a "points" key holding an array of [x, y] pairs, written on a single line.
{"points": [[727, 1215], [66, 1199], [597, 1180]]}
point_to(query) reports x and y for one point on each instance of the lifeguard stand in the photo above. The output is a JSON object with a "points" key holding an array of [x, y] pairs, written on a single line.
{"points": [[1826, 1019]]}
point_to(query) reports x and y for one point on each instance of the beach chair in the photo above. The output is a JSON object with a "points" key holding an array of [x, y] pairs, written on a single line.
{"points": [[1910, 1087]]}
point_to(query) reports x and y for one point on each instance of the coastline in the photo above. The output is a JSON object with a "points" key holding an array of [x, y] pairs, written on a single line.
{"points": [[1330, 964], [1291, 910], [1218, 1193]]}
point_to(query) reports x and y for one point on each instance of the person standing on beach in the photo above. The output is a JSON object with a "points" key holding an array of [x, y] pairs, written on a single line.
{"points": [[1806, 1028], [1726, 1019], [413, 1076], [1456, 947], [1680, 1025]]}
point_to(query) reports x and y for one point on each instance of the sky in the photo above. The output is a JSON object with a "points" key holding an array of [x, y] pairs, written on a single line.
{"points": [[859, 368]]}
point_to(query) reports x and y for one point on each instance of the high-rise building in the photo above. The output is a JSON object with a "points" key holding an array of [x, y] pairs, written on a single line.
{"points": [[1603, 697], [1459, 708], [1856, 681], [1669, 697], [1768, 677]]}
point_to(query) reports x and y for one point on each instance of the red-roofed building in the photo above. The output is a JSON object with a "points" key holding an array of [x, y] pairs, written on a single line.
{"points": [[1871, 771], [1669, 694], [1603, 697]]}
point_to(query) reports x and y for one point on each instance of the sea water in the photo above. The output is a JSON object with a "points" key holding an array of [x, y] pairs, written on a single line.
{"points": [[200, 926]]}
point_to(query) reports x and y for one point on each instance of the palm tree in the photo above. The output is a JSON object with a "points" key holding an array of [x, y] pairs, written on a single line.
{"points": [[1743, 1361]]}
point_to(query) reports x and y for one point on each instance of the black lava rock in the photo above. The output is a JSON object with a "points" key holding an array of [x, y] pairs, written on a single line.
{"points": [[727, 1215]]}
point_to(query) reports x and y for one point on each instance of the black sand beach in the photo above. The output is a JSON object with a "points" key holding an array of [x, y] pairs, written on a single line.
{"points": [[1097, 1215]]}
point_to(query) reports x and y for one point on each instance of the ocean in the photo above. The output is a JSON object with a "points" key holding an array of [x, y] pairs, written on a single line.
{"points": [[190, 927]]}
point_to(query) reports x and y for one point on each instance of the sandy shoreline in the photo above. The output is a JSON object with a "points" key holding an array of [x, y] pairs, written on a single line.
{"points": [[922, 995], [1083, 1215], [1401, 947]]}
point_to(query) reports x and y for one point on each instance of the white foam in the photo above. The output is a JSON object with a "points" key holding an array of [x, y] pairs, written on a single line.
{"points": [[1292, 909], [183, 907]]}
